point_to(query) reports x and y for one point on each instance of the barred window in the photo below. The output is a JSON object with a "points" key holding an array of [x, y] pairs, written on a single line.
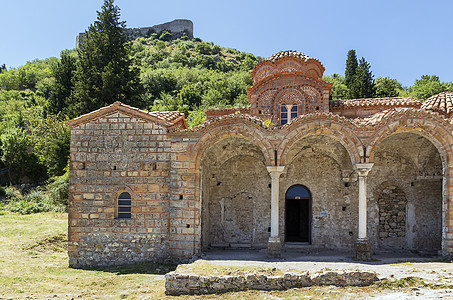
{"points": [[124, 206]]}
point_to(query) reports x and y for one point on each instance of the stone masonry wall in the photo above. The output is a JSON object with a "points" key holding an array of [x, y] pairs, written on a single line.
{"points": [[176, 27], [178, 284], [406, 166], [110, 155], [195, 188], [236, 198], [392, 213]]}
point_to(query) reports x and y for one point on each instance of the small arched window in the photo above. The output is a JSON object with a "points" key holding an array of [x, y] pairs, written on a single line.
{"points": [[124, 206], [288, 112]]}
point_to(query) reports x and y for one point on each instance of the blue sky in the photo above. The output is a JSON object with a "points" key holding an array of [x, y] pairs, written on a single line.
{"points": [[400, 39]]}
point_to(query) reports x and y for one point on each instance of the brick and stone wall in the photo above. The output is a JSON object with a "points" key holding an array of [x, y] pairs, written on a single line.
{"points": [[109, 155], [199, 188]]}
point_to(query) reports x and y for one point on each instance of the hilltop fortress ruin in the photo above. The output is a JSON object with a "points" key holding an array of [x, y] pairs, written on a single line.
{"points": [[177, 28]]}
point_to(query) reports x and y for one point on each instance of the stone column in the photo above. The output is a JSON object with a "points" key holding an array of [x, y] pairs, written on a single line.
{"points": [[363, 248], [274, 248]]}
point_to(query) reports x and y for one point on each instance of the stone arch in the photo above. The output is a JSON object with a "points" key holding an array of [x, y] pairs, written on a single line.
{"points": [[220, 131], [313, 94], [436, 131], [289, 95], [264, 71], [288, 65], [234, 194], [330, 128], [264, 102]]}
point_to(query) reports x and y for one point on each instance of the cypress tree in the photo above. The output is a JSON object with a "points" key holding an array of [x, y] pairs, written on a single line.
{"points": [[105, 70], [351, 67], [363, 83]]}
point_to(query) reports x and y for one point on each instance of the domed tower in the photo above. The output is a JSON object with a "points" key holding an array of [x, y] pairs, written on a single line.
{"points": [[286, 85]]}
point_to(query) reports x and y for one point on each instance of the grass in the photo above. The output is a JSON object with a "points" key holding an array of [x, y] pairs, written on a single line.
{"points": [[34, 263], [412, 282]]}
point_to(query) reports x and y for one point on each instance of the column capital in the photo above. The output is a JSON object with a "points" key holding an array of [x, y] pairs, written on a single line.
{"points": [[275, 169], [363, 168]]}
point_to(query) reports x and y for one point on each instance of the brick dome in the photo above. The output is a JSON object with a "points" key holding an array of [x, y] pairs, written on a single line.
{"points": [[442, 103]]}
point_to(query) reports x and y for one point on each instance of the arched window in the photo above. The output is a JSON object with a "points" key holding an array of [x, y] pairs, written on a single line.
{"points": [[124, 206], [288, 112]]}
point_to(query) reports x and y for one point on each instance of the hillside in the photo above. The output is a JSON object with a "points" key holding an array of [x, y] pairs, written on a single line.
{"points": [[189, 75], [182, 74]]}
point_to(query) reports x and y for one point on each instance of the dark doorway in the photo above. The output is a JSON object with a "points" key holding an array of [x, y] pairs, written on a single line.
{"points": [[298, 214]]}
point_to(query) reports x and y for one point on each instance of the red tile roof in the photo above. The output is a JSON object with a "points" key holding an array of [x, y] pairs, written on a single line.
{"points": [[166, 118], [375, 102], [291, 53], [442, 103]]}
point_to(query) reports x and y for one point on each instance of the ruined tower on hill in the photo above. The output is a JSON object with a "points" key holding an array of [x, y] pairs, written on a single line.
{"points": [[177, 28]]}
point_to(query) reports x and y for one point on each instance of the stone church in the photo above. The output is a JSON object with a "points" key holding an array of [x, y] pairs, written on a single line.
{"points": [[365, 175]]}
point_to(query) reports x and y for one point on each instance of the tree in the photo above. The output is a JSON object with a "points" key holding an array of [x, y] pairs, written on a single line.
{"points": [[190, 96], [14, 146], [351, 68], [428, 86], [50, 139], [63, 71], [105, 70], [363, 83], [387, 87], [339, 89]]}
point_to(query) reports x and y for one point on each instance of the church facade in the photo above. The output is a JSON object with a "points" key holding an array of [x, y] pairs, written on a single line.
{"points": [[292, 169]]}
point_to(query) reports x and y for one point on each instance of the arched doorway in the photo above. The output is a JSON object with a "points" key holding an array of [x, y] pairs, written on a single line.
{"points": [[298, 214]]}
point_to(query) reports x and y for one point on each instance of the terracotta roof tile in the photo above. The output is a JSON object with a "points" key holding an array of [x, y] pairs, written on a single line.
{"points": [[169, 118], [373, 102], [442, 103], [291, 53], [205, 124]]}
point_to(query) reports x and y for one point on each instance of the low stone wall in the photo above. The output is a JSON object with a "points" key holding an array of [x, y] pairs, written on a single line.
{"points": [[177, 284]]}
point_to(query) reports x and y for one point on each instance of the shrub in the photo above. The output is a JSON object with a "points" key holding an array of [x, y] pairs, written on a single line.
{"points": [[165, 36], [53, 197], [58, 191]]}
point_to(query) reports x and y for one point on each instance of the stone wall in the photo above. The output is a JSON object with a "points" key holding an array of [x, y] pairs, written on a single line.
{"points": [[176, 27], [405, 210], [209, 185], [236, 198], [109, 155], [392, 213], [178, 284]]}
